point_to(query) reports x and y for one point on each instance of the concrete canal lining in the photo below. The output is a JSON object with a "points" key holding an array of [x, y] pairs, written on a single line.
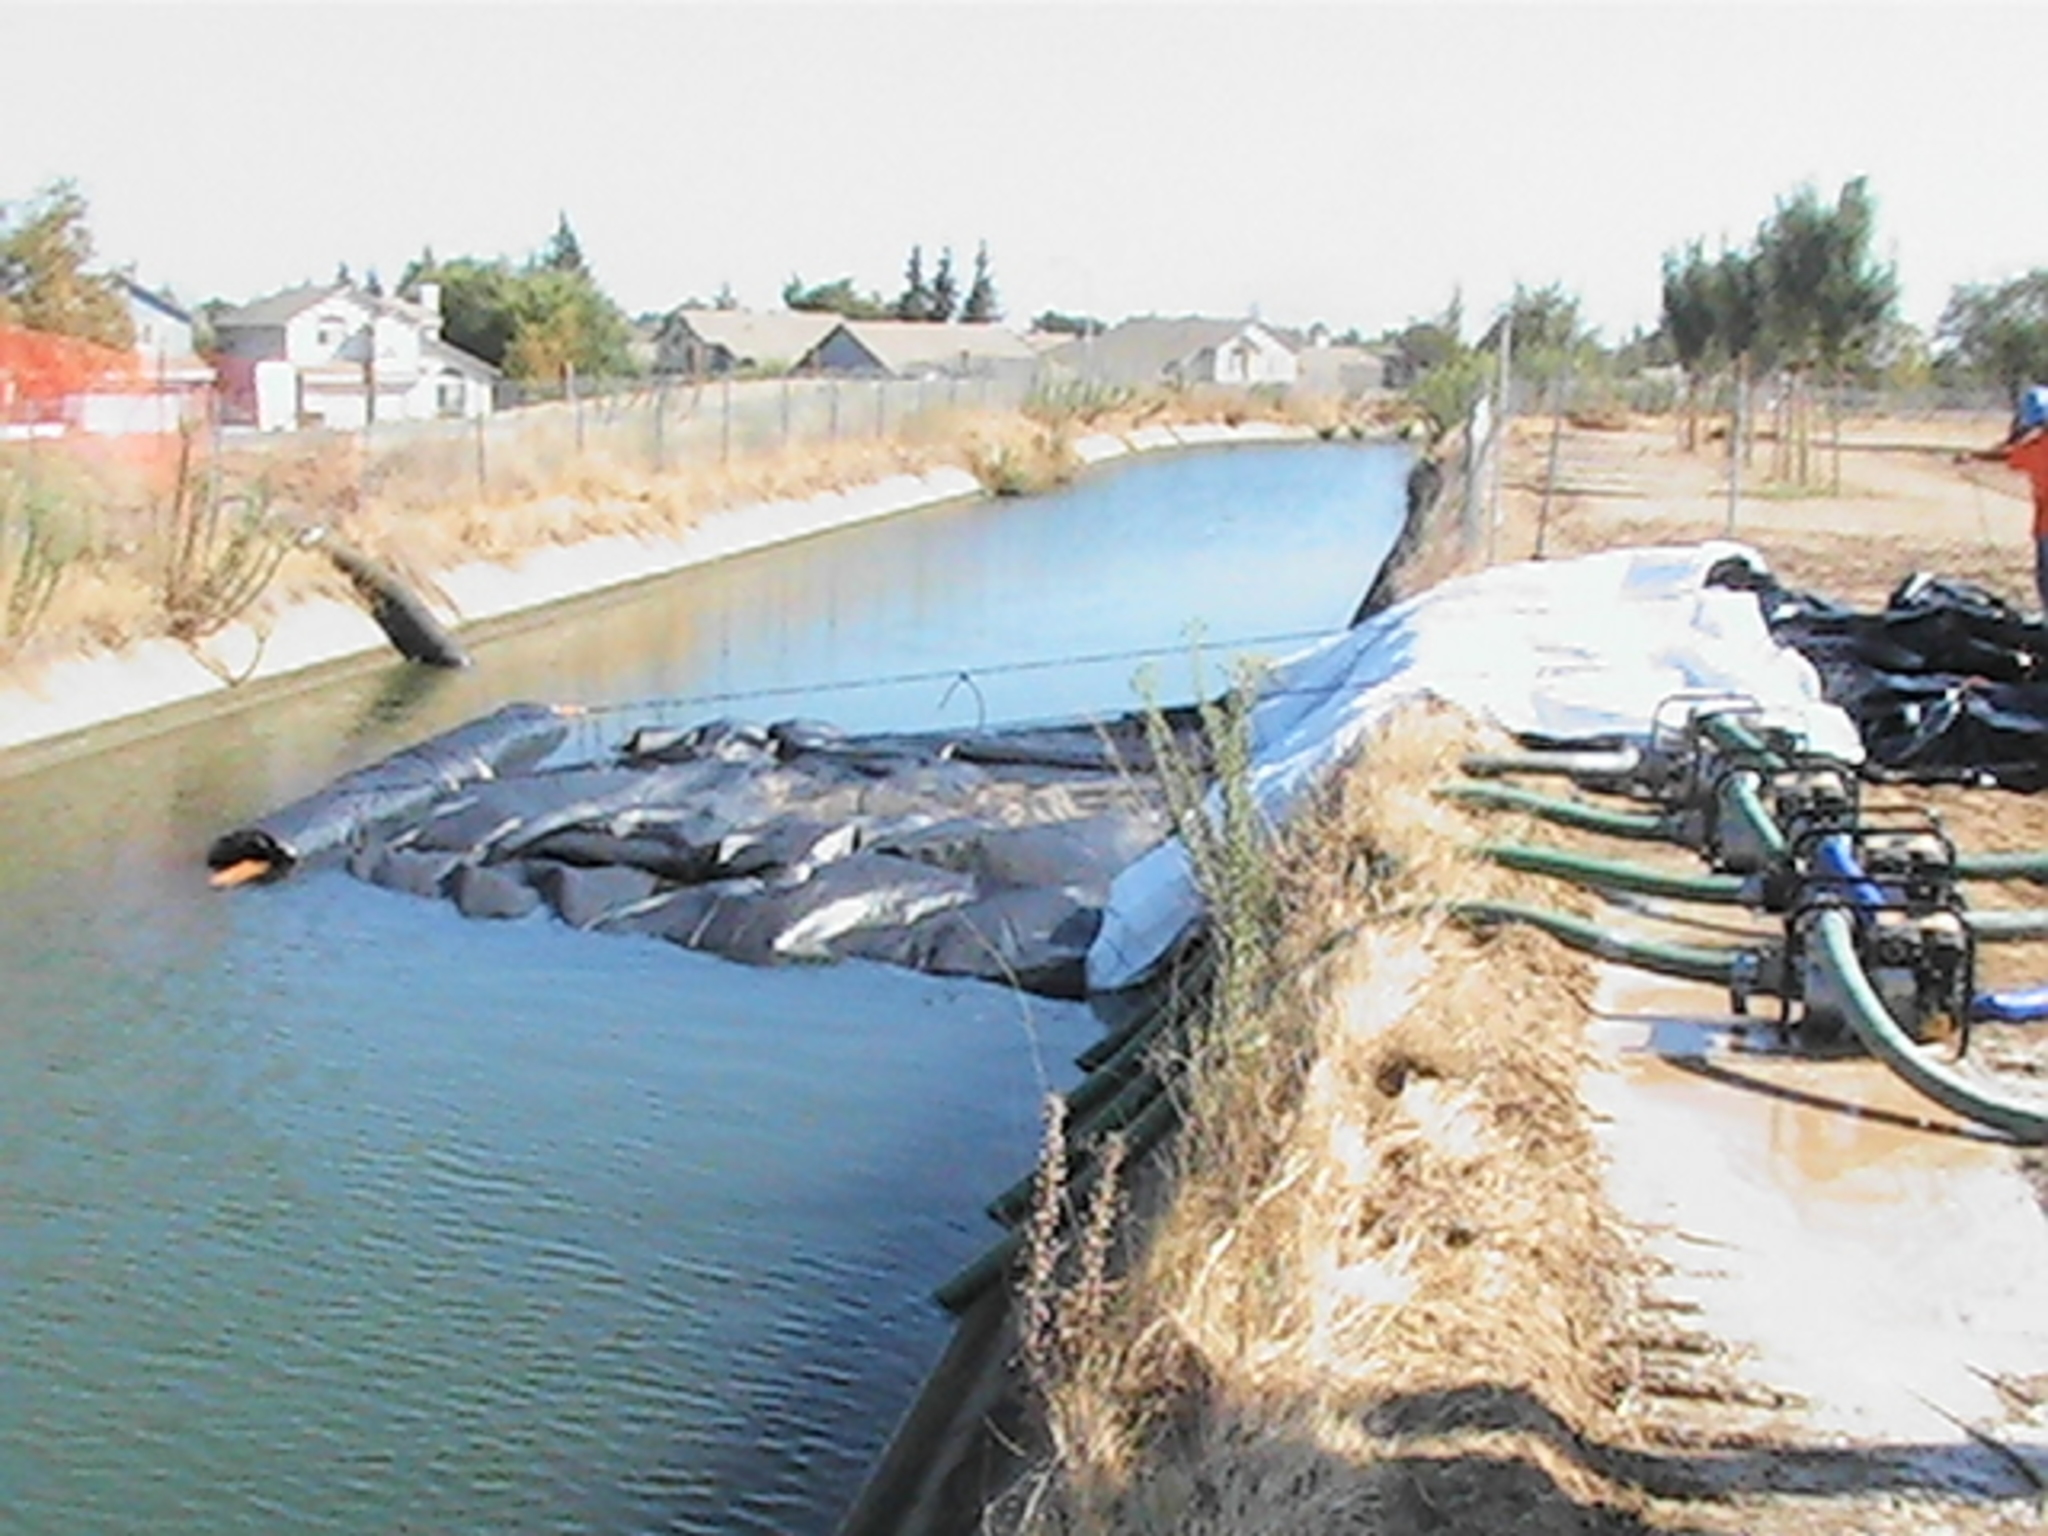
{"points": [[86, 691]]}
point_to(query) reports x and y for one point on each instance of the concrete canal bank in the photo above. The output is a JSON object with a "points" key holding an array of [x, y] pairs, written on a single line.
{"points": [[74, 695]]}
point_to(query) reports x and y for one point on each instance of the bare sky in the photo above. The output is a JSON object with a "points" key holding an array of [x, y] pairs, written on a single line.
{"points": [[1347, 162]]}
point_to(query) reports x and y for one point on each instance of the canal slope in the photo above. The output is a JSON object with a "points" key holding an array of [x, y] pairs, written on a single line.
{"points": [[76, 694]]}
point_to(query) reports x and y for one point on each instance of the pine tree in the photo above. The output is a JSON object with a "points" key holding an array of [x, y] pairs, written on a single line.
{"points": [[915, 302], [981, 307], [945, 289], [564, 252]]}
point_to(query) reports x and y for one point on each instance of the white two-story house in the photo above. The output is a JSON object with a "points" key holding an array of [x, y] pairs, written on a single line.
{"points": [[336, 356]]}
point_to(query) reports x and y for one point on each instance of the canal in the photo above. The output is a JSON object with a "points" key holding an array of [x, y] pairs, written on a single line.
{"points": [[325, 1209]]}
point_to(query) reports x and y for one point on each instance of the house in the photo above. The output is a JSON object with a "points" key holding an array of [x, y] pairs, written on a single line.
{"points": [[333, 355], [706, 343], [1341, 371], [1156, 350], [918, 349], [52, 384], [170, 383]]}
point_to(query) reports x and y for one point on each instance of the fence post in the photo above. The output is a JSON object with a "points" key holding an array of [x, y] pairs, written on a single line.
{"points": [[725, 418], [483, 476], [832, 394], [785, 410], [1503, 410], [881, 407], [1735, 445], [1550, 470], [660, 422]]}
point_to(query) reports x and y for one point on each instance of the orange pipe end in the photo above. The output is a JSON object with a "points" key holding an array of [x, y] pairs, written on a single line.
{"points": [[239, 873]]}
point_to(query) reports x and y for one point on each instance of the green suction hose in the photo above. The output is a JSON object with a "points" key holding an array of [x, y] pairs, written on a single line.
{"points": [[1691, 961], [2003, 866], [1567, 813], [1613, 875], [1883, 1038]]}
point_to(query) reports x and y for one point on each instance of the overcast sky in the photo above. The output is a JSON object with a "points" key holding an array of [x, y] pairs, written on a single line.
{"points": [[1349, 162]]}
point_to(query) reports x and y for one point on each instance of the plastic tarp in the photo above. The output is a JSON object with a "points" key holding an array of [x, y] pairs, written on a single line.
{"points": [[1566, 650], [1946, 683], [985, 854]]}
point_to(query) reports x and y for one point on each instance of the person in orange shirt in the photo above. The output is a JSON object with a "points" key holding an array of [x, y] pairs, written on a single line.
{"points": [[2026, 450]]}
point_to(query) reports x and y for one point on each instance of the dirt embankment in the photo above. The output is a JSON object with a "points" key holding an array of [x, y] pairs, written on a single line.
{"points": [[1538, 1245]]}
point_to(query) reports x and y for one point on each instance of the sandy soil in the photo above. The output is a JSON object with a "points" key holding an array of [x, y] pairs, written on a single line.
{"points": [[1854, 1283]]}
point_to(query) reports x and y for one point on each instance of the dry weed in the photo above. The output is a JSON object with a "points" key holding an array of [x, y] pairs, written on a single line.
{"points": [[1387, 1210]]}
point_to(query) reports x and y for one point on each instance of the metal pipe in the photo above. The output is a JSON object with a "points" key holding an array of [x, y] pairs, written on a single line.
{"points": [[1597, 765], [1882, 1037]]}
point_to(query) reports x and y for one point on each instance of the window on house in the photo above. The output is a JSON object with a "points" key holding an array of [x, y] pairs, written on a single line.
{"points": [[333, 331], [449, 397]]}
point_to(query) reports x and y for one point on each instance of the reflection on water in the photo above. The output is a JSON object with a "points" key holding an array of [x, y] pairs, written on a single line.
{"points": [[322, 1208]]}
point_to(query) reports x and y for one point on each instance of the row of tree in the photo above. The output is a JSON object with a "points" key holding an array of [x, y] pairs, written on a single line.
{"points": [[538, 319], [935, 298]]}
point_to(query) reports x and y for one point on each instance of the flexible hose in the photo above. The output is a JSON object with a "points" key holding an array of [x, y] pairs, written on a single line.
{"points": [[1566, 813], [1598, 765], [1734, 737], [1746, 801], [1883, 1038], [2003, 866], [1989, 926], [2022, 1005], [1613, 875], [1692, 961]]}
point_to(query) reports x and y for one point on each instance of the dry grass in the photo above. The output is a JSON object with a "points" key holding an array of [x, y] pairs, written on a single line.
{"points": [[415, 505], [1387, 1211]]}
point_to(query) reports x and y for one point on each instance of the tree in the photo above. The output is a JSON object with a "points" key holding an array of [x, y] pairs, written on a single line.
{"points": [[1427, 343], [1997, 333], [45, 249], [838, 297], [534, 321], [1689, 322], [1055, 323], [1824, 295], [981, 307], [563, 252], [478, 300], [915, 302], [1549, 340], [1857, 294], [945, 288]]}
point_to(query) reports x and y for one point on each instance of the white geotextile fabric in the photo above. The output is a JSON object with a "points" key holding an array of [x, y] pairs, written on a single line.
{"points": [[1567, 649]]}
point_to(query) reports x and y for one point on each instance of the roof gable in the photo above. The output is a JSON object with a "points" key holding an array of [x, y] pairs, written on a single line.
{"points": [[751, 336], [905, 344], [1150, 345]]}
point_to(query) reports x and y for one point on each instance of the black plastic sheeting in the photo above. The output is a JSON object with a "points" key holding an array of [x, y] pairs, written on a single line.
{"points": [[510, 740], [987, 854], [1946, 683]]}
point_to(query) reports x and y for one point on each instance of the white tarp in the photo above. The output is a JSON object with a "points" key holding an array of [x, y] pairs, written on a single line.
{"points": [[1567, 649]]}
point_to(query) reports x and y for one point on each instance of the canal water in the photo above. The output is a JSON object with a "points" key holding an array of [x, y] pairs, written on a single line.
{"points": [[326, 1209]]}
